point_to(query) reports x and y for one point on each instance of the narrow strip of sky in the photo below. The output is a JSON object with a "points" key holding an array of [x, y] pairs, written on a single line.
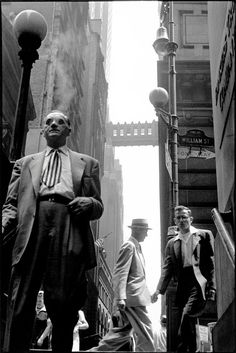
{"points": [[133, 60], [133, 75]]}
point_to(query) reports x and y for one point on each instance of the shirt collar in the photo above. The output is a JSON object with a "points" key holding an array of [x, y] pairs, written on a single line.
{"points": [[135, 241], [63, 149], [180, 236]]}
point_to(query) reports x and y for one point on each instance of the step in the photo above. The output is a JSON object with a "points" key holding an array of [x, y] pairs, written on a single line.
{"points": [[223, 333]]}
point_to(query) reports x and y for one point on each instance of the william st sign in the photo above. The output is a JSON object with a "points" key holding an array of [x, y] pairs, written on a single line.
{"points": [[194, 144], [195, 138]]}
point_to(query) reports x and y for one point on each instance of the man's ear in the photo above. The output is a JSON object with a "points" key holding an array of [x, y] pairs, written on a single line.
{"points": [[191, 219], [69, 130]]}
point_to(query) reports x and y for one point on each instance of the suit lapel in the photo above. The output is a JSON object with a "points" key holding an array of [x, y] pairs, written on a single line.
{"points": [[140, 255], [77, 170], [177, 250], [196, 248], [35, 167]]}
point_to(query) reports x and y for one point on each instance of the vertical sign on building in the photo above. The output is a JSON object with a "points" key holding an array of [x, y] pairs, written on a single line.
{"points": [[223, 111]]}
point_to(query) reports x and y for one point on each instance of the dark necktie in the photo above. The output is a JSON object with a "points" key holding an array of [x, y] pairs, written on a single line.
{"points": [[52, 173]]}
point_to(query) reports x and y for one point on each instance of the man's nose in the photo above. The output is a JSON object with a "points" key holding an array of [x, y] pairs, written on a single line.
{"points": [[54, 123]]}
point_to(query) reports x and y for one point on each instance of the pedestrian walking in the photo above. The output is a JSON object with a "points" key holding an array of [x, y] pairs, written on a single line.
{"points": [[160, 336], [189, 259], [82, 324], [131, 296]]}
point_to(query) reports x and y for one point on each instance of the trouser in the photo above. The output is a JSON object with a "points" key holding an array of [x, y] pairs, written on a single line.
{"points": [[135, 321], [47, 264], [191, 304]]}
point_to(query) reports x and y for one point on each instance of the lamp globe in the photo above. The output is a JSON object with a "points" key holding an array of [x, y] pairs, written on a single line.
{"points": [[30, 28], [159, 97], [160, 44]]}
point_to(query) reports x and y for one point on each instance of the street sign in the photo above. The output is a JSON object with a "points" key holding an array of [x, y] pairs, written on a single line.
{"points": [[195, 138]]}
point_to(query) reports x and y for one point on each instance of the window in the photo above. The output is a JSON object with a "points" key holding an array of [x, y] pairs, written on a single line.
{"points": [[194, 88], [195, 29]]}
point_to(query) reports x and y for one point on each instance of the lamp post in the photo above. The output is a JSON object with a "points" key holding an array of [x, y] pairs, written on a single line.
{"points": [[159, 97], [30, 29]]}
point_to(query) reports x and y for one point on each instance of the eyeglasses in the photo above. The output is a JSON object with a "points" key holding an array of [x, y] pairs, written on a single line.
{"points": [[183, 217]]}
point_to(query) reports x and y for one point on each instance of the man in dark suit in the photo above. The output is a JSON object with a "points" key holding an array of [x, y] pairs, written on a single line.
{"points": [[189, 259], [52, 196]]}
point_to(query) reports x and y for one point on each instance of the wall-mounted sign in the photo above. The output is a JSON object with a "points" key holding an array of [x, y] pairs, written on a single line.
{"points": [[226, 68], [195, 138], [223, 90]]}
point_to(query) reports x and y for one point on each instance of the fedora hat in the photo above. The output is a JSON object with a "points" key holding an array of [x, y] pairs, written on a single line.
{"points": [[139, 223]]}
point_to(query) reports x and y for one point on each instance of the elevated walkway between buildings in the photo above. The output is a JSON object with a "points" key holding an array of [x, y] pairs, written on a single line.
{"points": [[133, 134]]}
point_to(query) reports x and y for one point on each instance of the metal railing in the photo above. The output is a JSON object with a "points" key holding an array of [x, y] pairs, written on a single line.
{"points": [[224, 234]]}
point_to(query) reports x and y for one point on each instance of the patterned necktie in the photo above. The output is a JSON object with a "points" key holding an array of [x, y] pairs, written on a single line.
{"points": [[52, 173]]}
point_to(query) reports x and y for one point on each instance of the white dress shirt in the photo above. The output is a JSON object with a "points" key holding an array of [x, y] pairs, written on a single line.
{"points": [[186, 246], [65, 187]]}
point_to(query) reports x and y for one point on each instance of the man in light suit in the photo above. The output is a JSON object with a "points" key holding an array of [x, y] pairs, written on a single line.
{"points": [[189, 259], [54, 245], [131, 296]]}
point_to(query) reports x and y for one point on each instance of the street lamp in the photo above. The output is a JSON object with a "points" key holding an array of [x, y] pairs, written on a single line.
{"points": [[159, 97], [30, 29]]}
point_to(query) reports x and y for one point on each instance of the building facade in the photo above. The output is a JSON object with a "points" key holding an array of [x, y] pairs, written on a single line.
{"points": [[102, 11], [196, 140], [111, 224], [222, 65], [70, 75]]}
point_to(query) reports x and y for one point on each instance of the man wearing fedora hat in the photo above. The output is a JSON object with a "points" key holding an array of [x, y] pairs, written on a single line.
{"points": [[131, 296]]}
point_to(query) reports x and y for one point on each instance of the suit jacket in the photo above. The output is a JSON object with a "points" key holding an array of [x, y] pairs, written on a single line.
{"points": [[129, 280], [21, 201], [202, 261]]}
